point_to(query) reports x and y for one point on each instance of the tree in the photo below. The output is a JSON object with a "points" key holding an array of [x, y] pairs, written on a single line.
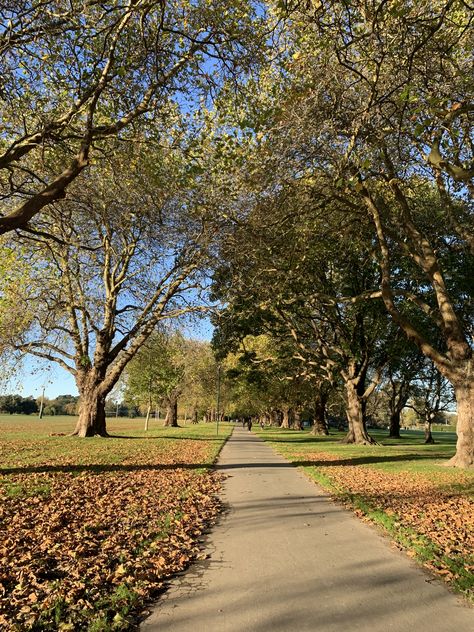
{"points": [[432, 395], [200, 384], [308, 272], [17, 404], [143, 375], [14, 283], [75, 74], [124, 257], [400, 128], [406, 362]]}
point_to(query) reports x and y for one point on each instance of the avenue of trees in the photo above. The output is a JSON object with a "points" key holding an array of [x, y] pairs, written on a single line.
{"points": [[311, 161], [354, 221]]}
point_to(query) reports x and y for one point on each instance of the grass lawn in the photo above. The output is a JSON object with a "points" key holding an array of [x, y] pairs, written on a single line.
{"points": [[90, 529], [403, 487]]}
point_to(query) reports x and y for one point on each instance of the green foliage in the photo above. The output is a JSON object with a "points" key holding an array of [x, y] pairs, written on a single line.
{"points": [[82, 74], [17, 404]]}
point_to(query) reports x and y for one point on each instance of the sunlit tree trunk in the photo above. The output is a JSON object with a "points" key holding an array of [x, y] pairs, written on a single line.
{"points": [[91, 419], [464, 456], [355, 411]]}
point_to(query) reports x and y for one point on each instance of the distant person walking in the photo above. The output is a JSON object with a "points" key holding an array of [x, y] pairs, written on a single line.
{"points": [[249, 424]]}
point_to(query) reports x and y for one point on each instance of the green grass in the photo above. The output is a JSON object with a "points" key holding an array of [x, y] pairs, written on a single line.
{"points": [[391, 455], [29, 441]]}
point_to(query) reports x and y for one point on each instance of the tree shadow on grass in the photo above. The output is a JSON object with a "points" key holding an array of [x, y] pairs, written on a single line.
{"points": [[155, 437], [370, 459], [104, 467], [110, 467]]}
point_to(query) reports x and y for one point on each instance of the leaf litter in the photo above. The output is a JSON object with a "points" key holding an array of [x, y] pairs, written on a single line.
{"points": [[432, 519], [100, 542]]}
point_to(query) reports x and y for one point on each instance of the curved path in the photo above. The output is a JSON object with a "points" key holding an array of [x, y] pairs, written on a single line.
{"points": [[285, 558]]}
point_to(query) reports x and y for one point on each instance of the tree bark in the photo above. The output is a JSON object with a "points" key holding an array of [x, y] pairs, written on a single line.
{"points": [[355, 417], [296, 420], [147, 418], [428, 436], [276, 418], [394, 432], [286, 417], [319, 425], [464, 456], [91, 419], [171, 419]]}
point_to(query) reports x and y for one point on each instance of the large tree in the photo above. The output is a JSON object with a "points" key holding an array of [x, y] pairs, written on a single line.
{"points": [[122, 255], [396, 104]]}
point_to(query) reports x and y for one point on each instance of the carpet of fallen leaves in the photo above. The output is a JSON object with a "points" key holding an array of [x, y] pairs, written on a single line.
{"points": [[433, 519], [85, 548]]}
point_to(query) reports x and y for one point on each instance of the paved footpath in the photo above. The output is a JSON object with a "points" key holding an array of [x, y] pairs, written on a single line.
{"points": [[285, 558]]}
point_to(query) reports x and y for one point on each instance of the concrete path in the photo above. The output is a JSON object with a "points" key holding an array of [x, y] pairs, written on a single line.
{"points": [[285, 558]]}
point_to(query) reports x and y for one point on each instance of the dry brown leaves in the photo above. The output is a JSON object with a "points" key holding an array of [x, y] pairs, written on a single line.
{"points": [[115, 531], [418, 505]]}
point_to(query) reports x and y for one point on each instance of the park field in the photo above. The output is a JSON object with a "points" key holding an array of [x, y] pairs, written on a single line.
{"points": [[90, 529], [401, 486]]}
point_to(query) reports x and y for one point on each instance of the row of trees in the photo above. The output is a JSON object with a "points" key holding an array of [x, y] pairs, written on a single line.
{"points": [[170, 370], [16, 404], [350, 226], [105, 232], [264, 380], [60, 405]]}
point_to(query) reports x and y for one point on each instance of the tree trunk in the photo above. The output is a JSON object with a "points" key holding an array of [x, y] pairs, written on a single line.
{"points": [[428, 435], [394, 432], [147, 418], [171, 419], [355, 416], [464, 456], [91, 419], [286, 418], [319, 425], [296, 420], [276, 418]]}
